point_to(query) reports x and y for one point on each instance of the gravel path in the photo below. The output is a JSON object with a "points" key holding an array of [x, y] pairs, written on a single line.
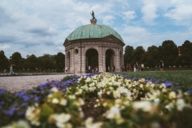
{"points": [[16, 83]]}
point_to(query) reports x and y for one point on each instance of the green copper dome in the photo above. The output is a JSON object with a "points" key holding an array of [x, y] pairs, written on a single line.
{"points": [[93, 31]]}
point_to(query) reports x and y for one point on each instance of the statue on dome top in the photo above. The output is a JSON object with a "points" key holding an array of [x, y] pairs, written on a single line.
{"points": [[93, 14], [93, 20]]}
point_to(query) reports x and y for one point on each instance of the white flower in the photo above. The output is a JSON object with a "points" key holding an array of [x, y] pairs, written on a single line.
{"points": [[61, 120], [170, 106], [157, 101], [152, 85], [63, 102], [92, 84], [141, 85], [54, 89], [121, 91], [114, 113], [92, 89], [88, 80], [19, 124], [50, 96], [33, 115], [79, 91], [142, 80], [81, 102], [143, 105], [100, 93], [116, 94], [162, 86], [55, 101], [100, 85], [172, 95], [180, 104], [89, 123], [72, 97]]}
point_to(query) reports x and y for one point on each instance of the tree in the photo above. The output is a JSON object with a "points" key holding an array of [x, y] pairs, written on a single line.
{"points": [[17, 61], [4, 62], [128, 56], [152, 56], [186, 53], [47, 63], [60, 62], [31, 63], [138, 55], [169, 53]]}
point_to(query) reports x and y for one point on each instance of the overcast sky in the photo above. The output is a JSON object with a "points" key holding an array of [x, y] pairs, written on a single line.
{"points": [[41, 26]]}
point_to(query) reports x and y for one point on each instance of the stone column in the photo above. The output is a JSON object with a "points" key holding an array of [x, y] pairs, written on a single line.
{"points": [[101, 54], [76, 60], [72, 64], [122, 59], [100, 59], [66, 61], [117, 61], [83, 54]]}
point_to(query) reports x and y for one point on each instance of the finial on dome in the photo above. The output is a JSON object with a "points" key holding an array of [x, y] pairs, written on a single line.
{"points": [[93, 20]]}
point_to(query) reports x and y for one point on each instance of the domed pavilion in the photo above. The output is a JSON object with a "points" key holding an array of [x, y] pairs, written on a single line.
{"points": [[93, 48]]}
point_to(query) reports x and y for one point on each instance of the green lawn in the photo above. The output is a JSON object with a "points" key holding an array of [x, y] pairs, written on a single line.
{"points": [[182, 77]]}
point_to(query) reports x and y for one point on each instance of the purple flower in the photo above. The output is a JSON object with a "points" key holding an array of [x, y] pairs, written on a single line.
{"points": [[2, 91], [37, 99], [189, 91], [23, 95], [10, 111], [168, 84], [43, 84], [1, 103]]}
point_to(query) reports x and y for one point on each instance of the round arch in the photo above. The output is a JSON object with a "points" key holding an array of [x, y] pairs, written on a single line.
{"points": [[109, 60], [91, 61]]}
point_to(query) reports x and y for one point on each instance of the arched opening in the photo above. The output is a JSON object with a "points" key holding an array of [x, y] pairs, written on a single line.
{"points": [[109, 60], [67, 68], [92, 61]]}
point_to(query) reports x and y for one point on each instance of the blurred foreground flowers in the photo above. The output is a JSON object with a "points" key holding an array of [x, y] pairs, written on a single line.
{"points": [[106, 101]]}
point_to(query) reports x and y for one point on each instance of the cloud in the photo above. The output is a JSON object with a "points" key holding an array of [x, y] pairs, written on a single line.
{"points": [[141, 36], [6, 38], [181, 12], [149, 10], [129, 15], [42, 32], [4, 18], [39, 27], [4, 46]]}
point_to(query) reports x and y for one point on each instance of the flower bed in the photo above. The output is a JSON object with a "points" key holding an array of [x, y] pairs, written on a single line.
{"points": [[99, 101]]}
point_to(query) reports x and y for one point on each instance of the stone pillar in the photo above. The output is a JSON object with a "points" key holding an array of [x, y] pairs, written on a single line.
{"points": [[66, 61], [72, 64], [83, 57], [122, 59], [76, 60], [117, 61], [101, 61]]}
